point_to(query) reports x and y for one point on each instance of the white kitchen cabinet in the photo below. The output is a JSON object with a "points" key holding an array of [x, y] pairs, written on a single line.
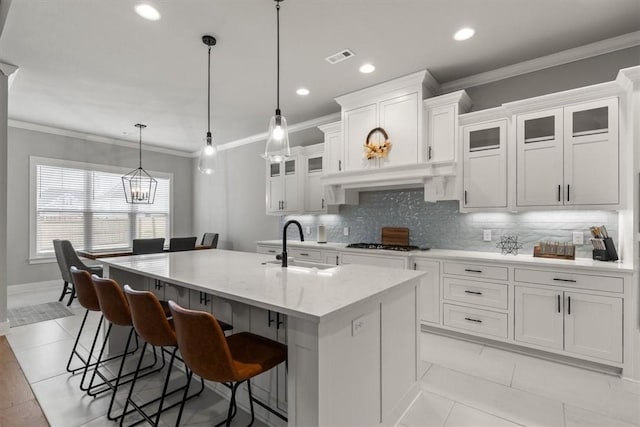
{"points": [[283, 186], [429, 290], [357, 123], [330, 257], [333, 147], [399, 118], [176, 293], [568, 156], [268, 249], [314, 200], [581, 324], [485, 165], [441, 125], [374, 260]]}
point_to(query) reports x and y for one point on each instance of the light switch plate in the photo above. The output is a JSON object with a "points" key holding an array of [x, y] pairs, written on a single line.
{"points": [[357, 325], [307, 230], [345, 231], [486, 235], [578, 238]]}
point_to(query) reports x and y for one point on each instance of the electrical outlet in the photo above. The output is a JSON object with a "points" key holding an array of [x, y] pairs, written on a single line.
{"points": [[578, 238], [345, 231], [307, 230], [357, 325], [486, 235]]}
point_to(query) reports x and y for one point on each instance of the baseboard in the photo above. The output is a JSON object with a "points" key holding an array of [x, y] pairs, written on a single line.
{"points": [[35, 286], [4, 328]]}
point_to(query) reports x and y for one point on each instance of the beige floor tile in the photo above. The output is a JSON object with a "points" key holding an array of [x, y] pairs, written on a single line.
{"points": [[579, 417], [427, 410], [464, 416], [36, 335]]}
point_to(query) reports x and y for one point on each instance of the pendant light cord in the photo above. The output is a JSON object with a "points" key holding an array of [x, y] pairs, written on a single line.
{"points": [[278, 57], [140, 146], [209, 97]]}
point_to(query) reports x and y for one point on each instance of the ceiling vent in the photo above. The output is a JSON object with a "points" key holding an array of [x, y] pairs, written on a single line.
{"points": [[339, 57]]}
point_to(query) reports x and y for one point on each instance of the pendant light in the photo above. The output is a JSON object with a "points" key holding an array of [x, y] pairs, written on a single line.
{"points": [[277, 148], [209, 153], [139, 186]]}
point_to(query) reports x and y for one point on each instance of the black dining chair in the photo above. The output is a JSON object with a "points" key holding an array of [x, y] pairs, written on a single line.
{"points": [[210, 240], [147, 246], [177, 244], [67, 257]]}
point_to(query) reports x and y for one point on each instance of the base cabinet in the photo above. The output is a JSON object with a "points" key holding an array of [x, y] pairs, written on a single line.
{"points": [[429, 290], [578, 323]]}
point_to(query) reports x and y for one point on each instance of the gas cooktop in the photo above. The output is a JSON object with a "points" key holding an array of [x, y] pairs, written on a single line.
{"points": [[385, 247]]}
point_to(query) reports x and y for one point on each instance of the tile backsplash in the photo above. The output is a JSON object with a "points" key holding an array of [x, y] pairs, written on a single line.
{"points": [[441, 225]]}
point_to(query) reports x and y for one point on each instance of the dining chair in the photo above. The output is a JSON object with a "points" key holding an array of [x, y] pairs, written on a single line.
{"points": [[210, 240], [147, 246], [231, 360], [177, 244], [67, 257]]}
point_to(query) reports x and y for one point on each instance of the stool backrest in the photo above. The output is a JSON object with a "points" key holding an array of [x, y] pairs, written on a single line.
{"points": [[113, 303], [147, 246], [202, 344], [149, 319], [177, 244], [210, 240], [85, 291]]}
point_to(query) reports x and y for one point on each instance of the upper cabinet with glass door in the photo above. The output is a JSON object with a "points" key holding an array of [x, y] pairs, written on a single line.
{"points": [[283, 186]]}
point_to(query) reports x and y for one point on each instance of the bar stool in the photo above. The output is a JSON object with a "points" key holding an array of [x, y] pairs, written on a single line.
{"points": [[213, 356], [115, 309], [89, 300], [155, 329]]}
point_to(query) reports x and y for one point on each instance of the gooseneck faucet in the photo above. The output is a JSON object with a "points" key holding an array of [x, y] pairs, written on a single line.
{"points": [[284, 239]]}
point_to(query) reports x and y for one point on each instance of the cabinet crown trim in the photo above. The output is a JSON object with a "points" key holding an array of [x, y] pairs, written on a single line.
{"points": [[490, 114], [460, 97]]}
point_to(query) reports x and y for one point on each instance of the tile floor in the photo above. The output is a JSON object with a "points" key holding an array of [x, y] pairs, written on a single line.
{"points": [[465, 384]]}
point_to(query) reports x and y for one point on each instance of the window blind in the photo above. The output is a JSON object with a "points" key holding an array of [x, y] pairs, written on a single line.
{"points": [[88, 207]]}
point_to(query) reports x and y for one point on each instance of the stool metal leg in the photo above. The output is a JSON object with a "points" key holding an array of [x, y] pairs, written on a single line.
{"points": [[75, 347]]}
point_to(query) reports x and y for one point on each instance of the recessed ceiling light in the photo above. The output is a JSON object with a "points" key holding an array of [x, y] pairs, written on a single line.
{"points": [[147, 12], [367, 68], [302, 91], [464, 34]]}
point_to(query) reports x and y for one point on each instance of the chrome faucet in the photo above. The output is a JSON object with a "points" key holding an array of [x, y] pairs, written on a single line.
{"points": [[284, 239]]}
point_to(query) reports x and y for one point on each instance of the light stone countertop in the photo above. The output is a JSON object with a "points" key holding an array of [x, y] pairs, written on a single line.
{"points": [[586, 264], [307, 293]]}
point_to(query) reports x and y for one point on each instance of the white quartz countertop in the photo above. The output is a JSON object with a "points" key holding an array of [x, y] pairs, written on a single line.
{"points": [[458, 255], [308, 293]]}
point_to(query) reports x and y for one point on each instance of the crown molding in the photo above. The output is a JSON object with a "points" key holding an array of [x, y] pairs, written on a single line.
{"points": [[94, 138], [480, 116], [559, 58], [629, 78], [10, 71], [297, 127], [459, 97]]}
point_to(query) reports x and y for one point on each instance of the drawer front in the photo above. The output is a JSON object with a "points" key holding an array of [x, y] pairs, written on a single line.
{"points": [[392, 262], [270, 250], [475, 320], [476, 270], [305, 254], [571, 280], [468, 291]]}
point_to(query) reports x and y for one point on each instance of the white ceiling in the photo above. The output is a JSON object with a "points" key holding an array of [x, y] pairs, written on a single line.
{"points": [[96, 67]]}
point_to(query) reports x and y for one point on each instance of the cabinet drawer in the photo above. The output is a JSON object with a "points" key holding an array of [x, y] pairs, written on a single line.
{"points": [[469, 291], [305, 254], [571, 280], [381, 261], [273, 250], [475, 320], [476, 270]]}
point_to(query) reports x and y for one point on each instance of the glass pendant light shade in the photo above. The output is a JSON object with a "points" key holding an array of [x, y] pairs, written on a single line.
{"points": [[208, 161], [277, 148]]}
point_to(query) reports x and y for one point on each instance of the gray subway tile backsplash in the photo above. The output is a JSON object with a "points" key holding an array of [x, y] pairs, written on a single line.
{"points": [[441, 225]]}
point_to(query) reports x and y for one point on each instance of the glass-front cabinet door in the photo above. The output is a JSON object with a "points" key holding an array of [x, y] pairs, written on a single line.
{"points": [[539, 170]]}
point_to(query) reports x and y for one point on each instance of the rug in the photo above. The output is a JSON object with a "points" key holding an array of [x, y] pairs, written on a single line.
{"points": [[20, 316]]}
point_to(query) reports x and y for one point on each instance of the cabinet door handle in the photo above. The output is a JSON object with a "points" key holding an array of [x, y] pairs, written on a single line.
{"points": [[278, 321], [473, 320], [569, 306], [158, 284], [339, 165], [415, 266], [465, 197], [559, 190], [568, 193], [472, 271], [337, 259], [473, 292], [204, 298], [564, 280], [304, 254], [429, 153], [323, 203], [269, 319], [559, 303]]}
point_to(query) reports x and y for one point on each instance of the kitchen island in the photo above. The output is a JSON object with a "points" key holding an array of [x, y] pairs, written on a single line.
{"points": [[352, 332]]}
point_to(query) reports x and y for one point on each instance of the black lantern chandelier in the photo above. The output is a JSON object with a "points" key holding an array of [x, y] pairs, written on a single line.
{"points": [[277, 148], [139, 186]]}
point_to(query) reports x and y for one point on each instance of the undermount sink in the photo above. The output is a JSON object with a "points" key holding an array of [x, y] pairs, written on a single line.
{"points": [[303, 264]]}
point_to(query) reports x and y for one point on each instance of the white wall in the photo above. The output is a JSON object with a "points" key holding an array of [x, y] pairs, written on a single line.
{"points": [[25, 143]]}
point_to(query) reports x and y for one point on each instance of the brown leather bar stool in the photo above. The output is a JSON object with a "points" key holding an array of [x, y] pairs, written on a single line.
{"points": [[152, 325], [89, 300], [233, 359], [115, 308]]}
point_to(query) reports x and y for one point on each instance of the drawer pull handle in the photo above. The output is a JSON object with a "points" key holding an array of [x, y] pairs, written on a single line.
{"points": [[303, 254], [473, 292], [473, 320], [272, 251], [564, 280], [472, 271]]}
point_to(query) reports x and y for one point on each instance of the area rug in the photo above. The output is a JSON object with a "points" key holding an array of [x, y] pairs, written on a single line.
{"points": [[20, 316]]}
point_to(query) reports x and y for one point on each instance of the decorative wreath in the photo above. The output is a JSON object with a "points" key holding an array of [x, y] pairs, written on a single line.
{"points": [[377, 149]]}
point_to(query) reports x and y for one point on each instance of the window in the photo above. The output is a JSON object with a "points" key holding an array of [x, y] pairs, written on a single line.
{"points": [[85, 204]]}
